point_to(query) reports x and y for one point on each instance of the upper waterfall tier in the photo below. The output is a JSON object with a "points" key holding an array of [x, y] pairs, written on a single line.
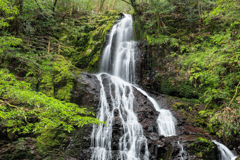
{"points": [[118, 55]]}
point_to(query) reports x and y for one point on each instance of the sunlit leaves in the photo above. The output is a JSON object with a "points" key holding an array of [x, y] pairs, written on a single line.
{"points": [[48, 112], [9, 10]]}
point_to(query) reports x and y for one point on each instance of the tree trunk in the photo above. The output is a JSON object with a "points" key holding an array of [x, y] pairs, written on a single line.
{"points": [[17, 20], [101, 5], [134, 5], [54, 5], [39, 6], [113, 4], [21, 7]]}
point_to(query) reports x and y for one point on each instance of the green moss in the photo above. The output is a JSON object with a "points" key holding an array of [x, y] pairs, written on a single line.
{"points": [[179, 105], [200, 139], [23, 148], [107, 28], [59, 80], [180, 89], [92, 40], [203, 149], [112, 13]]}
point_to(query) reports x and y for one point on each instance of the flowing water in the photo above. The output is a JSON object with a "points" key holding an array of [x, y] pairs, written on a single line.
{"points": [[118, 67], [183, 154], [166, 122], [226, 154], [118, 55], [181, 151]]}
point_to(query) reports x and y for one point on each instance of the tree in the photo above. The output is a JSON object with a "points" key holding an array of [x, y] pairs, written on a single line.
{"points": [[8, 12], [134, 4]]}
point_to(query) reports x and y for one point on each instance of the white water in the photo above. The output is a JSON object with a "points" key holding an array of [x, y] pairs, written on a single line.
{"points": [[118, 60], [131, 140], [106, 60], [118, 55], [166, 122], [226, 154], [181, 151]]}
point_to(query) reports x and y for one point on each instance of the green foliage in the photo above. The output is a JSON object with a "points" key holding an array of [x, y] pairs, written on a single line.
{"points": [[199, 45], [182, 90], [203, 148], [203, 140], [7, 41], [86, 36], [159, 39], [57, 79], [226, 122], [154, 28], [206, 113], [228, 10], [9, 11], [25, 111], [213, 65], [51, 74]]}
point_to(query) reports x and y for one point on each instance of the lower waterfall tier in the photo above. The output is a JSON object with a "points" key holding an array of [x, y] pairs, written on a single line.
{"points": [[192, 138]]}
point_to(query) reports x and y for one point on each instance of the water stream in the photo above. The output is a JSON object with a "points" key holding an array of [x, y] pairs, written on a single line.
{"points": [[118, 67], [181, 151], [226, 154], [183, 154], [166, 122]]}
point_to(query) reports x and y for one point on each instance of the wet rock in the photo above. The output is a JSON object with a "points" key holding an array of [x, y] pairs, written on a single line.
{"points": [[86, 93], [116, 112], [117, 132], [115, 155], [159, 147]]}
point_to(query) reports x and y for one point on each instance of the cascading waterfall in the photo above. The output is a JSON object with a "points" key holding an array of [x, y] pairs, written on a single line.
{"points": [[183, 154], [226, 154], [166, 122], [181, 151], [118, 55], [118, 60], [121, 100]]}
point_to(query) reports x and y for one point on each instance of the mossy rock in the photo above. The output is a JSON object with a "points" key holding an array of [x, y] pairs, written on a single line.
{"points": [[23, 148], [170, 86], [112, 13], [89, 45], [165, 153], [179, 105], [203, 149]]}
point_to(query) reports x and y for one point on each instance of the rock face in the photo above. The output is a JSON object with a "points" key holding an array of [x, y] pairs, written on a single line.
{"points": [[195, 145], [155, 69], [87, 94]]}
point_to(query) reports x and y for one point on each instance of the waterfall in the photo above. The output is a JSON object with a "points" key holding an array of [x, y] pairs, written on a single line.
{"points": [[122, 101], [183, 155], [181, 151], [166, 122], [226, 154], [118, 55], [118, 69]]}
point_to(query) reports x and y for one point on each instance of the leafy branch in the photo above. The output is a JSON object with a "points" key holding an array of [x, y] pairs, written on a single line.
{"points": [[25, 118]]}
